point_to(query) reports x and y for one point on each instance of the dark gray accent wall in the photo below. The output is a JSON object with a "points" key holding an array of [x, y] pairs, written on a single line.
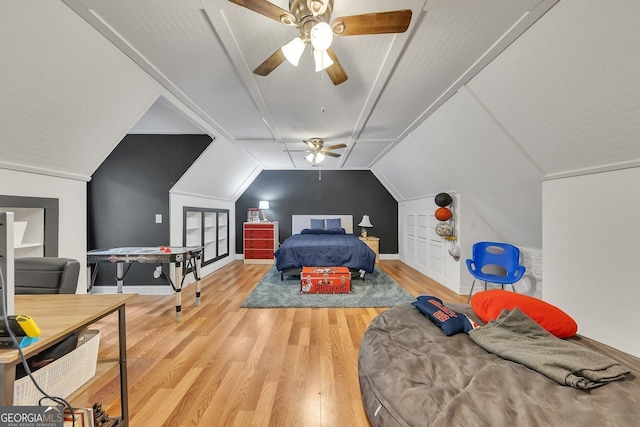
{"points": [[127, 191], [338, 192]]}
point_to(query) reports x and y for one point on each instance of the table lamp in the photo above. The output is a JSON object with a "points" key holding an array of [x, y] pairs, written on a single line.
{"points": [[264, 204], [365, 223]]}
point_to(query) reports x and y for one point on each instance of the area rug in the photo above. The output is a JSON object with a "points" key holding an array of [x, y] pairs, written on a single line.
{"points": [[377, 290]]}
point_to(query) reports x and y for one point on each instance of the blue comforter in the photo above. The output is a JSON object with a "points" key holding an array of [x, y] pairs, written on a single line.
{"points": [[325, 250]]}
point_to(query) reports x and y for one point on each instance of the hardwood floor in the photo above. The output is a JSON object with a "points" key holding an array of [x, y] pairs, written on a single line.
{"points": [[223, 365]]}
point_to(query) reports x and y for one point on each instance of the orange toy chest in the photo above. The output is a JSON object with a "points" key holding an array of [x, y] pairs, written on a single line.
{"points": [[325, 280]]}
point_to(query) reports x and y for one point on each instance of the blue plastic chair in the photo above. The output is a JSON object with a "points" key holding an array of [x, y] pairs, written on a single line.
{"points": [[496, 263]]}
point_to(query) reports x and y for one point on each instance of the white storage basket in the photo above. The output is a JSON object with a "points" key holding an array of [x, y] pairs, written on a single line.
{"points": [[63, 376]]}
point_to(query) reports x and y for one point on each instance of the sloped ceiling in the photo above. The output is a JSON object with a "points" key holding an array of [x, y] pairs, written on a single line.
{"points": [[67, 95], [204, 51], [563, 99], [480, 98]]}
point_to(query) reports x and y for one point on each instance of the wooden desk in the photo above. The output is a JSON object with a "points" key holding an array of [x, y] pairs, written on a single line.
{"points": [[58, 316]]}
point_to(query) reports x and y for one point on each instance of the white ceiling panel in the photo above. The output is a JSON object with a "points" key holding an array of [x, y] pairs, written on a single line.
{"points": [[410, 165], [68, 95], [183, 46], [221, 172], [568, 91], [497, 178], [270, 154], [204, 52], [363, 154], [163, 118], [447, 42]]}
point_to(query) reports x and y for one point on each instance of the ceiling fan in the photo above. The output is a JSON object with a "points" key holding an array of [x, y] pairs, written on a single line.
{"points": [[317, 150], [312, 18]]}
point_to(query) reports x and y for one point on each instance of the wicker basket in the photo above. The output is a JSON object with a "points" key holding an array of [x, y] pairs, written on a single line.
{"points": [[63, 376]]}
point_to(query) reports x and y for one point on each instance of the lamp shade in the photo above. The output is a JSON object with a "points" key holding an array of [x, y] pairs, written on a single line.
{"points": [[321, 36], [264, 204], [315, 157], [292, 50], [366, 222], [321, 59]]}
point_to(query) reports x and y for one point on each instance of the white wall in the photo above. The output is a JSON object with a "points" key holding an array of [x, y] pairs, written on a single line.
{"points": [[176, 202], [590, 239], [72, 197]]}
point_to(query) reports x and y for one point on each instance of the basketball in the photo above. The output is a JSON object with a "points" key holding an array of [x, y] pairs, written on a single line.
{"points": [[443, 214], [443, 199]]}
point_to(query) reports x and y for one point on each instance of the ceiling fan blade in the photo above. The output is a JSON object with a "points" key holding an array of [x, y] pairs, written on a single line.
{"points": [[335, 71], [396, 21], [329, 153], [310, 144], [268, 9], [336, 146], [270, 64]]}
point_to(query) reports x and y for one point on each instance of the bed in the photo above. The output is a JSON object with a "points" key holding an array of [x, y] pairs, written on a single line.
{"points": [[310, 245], [411, 374]]}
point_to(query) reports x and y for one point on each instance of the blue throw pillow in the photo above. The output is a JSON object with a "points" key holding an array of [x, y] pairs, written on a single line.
{"points": [[333, 223], [317, 224], [451, 322]]}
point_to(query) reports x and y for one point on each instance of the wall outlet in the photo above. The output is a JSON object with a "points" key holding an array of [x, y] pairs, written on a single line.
{"points": [[158, 218], [157, 272]]}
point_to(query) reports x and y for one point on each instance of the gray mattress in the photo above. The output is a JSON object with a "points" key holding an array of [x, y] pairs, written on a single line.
{"points": [[411, 374]]}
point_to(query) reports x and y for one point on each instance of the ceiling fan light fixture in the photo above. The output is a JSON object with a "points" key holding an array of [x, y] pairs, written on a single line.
{"points": [[322, 59], [287, 20], [293, 49], [317, 7], [338, 27], [315, 157], [321, 36]]}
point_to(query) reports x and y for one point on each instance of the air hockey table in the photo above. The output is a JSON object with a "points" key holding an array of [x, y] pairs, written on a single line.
{"points": [[184, 259]]}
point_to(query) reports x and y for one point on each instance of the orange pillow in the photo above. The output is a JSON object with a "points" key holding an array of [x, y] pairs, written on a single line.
{"points": [[489, 304]]}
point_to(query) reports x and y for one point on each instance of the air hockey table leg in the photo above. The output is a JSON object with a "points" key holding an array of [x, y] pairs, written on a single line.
{"points": [[197, 277], [120, 275], [178, 287]]}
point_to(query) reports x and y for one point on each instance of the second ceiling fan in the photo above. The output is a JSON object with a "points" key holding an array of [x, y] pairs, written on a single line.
{"points": [[312, 18], [317, 150]]}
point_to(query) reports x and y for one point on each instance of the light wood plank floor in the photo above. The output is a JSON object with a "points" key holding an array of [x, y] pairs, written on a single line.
{"points": [[229, 366]]}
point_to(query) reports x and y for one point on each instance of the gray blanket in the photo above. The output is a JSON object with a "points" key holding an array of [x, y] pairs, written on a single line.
{"points": [[515, 336]]}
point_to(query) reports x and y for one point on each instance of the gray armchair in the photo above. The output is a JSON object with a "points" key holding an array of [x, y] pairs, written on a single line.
{"points": [[46, 275]]}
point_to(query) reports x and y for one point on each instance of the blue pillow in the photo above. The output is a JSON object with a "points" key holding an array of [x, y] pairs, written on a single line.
{"points": [[317, 224], [451, 322], [333, 223]]}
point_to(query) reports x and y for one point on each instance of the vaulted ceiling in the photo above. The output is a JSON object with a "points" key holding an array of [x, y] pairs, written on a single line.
{"points": [[204, 51], [482, 98]]}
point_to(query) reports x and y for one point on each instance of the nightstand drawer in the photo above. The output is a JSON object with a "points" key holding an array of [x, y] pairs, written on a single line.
{"points": [[374, 243]]}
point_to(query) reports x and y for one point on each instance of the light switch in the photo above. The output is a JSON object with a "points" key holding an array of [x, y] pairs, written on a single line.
{"points": [[158, 218]]}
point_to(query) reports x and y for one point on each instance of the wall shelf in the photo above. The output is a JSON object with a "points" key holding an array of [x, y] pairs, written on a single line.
{"points": [[208, 228]]}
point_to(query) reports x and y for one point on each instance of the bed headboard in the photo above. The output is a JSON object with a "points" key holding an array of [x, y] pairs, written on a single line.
{"points": [[300, 222]]}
